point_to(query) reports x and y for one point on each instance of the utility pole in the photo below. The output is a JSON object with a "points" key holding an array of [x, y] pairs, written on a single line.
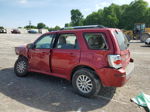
{"points": [[29, 24]]}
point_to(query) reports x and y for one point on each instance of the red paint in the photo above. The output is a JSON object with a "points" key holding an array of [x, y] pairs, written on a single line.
{"points": [[61, 62], [118, 62], [39, 59]]}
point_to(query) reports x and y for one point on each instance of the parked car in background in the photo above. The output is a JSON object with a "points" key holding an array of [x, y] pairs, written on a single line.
{"points": [[89, 56], [32, 31], [147, 42], [15, 31], [2, 30]]}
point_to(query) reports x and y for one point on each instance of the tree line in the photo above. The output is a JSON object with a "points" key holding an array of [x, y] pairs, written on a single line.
{"points": [[41, 26], [115, 16]]}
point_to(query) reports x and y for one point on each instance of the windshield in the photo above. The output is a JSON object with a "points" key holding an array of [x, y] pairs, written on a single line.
{"points": [[122, 40]]}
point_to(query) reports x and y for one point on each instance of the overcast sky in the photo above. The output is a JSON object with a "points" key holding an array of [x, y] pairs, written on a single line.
{"points": [[15, 13]]}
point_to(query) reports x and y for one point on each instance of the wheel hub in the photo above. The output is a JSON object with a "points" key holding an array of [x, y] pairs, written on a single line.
{"points": [[21, 66], [84, 84]]}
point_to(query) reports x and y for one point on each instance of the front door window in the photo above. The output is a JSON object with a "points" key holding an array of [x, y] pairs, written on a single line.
{"points": [[40, 55], [44, 42]]}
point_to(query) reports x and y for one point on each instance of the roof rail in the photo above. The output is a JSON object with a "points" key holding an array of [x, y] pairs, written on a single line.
{"points": [[83, 27]]}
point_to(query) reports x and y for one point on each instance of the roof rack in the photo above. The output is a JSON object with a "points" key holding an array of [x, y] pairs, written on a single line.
{"points": [[83, 27]]}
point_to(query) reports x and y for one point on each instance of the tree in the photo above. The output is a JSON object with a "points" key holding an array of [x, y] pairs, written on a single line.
{"points": [[57, 28], [111, 16], [54, 29], [147, 17], [46, 27], [51, 29], [123, 17], [1, 27], [67, 25], [76, 17], [92, 19], [30, 27], [41, 25], [121, 24], [135, 13]]}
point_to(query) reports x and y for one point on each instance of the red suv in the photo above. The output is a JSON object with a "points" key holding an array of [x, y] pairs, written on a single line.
{"points": [[89, 56]]}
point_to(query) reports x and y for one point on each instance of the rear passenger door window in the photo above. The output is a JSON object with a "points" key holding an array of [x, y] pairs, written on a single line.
{"points": [[96, 41], [65, 54], [67, 41]]}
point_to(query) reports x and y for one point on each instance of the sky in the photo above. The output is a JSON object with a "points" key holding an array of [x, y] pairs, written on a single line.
{"points": [[18, 13]]}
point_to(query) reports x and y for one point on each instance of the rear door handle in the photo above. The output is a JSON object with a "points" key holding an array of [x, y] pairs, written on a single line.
{"points": [[45, 52], [72, 54]]}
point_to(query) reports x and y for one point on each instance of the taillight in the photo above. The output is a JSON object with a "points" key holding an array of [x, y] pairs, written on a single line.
{"points": [[115, 61]]}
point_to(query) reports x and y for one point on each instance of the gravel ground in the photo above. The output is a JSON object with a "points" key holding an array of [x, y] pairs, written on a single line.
{"points": [[41, 93]]}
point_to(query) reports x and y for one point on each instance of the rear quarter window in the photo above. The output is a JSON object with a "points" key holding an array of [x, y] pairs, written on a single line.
{"points": [[95, 41], [122, 40]]}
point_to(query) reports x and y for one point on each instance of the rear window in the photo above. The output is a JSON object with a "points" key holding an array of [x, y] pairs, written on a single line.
{"points": [[122, 40], [95, 41]]}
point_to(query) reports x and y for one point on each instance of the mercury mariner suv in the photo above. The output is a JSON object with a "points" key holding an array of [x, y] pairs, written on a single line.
{"points": [[89, 56]]}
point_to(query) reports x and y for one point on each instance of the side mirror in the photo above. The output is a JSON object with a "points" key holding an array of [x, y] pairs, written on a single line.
{"points": [[30, 46]]}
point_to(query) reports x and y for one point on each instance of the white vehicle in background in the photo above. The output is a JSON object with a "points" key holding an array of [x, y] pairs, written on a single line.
{"points": [[147, 42]]}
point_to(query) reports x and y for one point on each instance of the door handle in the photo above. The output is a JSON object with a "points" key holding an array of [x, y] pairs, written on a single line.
{"points": [[72, 54], [45, 52]]}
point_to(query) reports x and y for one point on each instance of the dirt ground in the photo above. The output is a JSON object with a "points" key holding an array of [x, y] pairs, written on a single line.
{"points": [[41, 93]]}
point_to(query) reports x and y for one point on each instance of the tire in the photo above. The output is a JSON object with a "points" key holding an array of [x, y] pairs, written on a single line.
{"points": [[90, 86], [21, 67], [145, 36]]}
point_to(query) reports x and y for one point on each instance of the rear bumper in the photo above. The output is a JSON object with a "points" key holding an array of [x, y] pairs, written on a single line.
{"points": [[115, 77], [129, 69]]}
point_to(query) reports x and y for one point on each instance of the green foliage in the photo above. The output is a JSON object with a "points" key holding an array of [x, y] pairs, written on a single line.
{"points": [[134, 13], [147, 17], [68, 25], [54, 29], [111, 15], [123, 17], [93, 19], [57, 28], [1, 27], [30, 27], [76, 17], [41, 25]]}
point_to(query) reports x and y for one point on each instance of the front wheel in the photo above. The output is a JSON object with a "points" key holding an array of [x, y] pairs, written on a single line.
{"points": [[86, 83], [21, 67]]}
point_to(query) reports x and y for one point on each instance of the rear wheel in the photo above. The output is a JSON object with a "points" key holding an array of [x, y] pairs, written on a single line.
{"points": [[21, 67], [86, 83]]}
